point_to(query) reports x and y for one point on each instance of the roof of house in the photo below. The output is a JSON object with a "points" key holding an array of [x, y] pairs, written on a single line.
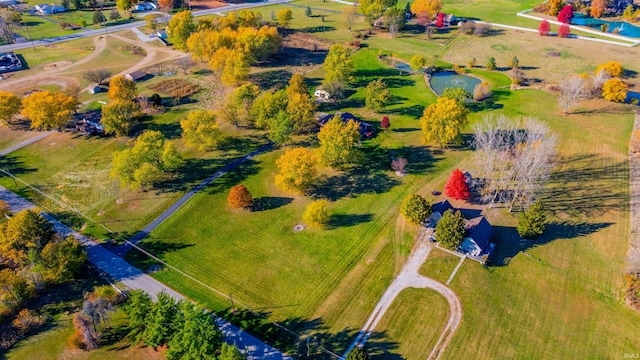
{"points": [[442, 206], [137, 75], [479, 230], [345, 116]]}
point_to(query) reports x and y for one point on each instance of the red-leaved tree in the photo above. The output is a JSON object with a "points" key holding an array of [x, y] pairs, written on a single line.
{"points": [[566, 14], [385, 123], [440, 20], [544, 28], [564, 31], [457, 187], [239, 197]]}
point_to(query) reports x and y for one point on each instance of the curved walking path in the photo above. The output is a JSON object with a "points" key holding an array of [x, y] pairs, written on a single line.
{"points": [[25, 143], [410, 277]]}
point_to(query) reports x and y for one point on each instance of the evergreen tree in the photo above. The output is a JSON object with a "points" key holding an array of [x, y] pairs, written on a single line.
{"points": [[357, 353], [307, 12], [450, 229], [138, 308], [160, 328], [196, 337], [415, 208], [531, 223]]}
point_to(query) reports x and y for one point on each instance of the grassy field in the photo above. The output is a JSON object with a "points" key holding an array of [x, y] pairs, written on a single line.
{"points": [[439, 265], [40, 28]]}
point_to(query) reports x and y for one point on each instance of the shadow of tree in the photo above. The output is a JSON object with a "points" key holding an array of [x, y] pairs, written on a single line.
{"points": [[343, 220], [414, 111], [156, 247], [420, 158], [271, 79], [269, 203]]}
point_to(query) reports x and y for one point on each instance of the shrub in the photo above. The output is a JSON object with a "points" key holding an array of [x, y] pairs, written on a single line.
{"points": [[612, 68], [482, 30], [544, 28], [481, 91], [385, 124], [239, 197], [316, 214], [26, 321], [415, 208], [614, 90], [491, 63], [459, 69], [564, 31], [531, 223], [632, 290]]}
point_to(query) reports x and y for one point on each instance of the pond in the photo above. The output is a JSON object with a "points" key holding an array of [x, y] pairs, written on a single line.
{"points": [[626, 29], [448, 79]]}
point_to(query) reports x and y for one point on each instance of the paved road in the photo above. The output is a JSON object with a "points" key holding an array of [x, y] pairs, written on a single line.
{"points": [[133, 278], [122, 249], [410, 277], [107, 30], [25, 143]]}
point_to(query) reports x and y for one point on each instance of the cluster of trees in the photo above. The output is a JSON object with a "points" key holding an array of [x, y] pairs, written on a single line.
{"points": [[147, 161], [119, 116], [513, 159], [187, 329], [229, 44], [32, 257]]}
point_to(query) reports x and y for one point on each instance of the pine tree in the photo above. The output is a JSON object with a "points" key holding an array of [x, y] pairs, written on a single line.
{"points": [[531, 223], [415, 208], [450, 229], [160, 324]]}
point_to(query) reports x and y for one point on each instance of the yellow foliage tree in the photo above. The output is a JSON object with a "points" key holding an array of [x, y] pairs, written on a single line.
{"points": [[47, 110], [301, 110], [338, 142], [233, 64], [598, 7], [443, 121], [297, 170], [555, 6], [10, 105], [613, 68], [317, 214], [430, 7], [284, 17], [122, 89], [614, 90], [200, 129], [297, 86], [180, 27]]}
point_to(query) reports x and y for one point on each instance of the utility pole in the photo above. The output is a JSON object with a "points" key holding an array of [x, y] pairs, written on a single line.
{"points": [[233, 308]]}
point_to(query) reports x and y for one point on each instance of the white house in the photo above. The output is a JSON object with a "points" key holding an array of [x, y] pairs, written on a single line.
{"points": [[48, 9]]}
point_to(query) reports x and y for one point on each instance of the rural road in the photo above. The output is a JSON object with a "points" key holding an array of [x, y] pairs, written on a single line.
{"points": [[115, 28], [133, 278], [410, 277], [122, 249]]}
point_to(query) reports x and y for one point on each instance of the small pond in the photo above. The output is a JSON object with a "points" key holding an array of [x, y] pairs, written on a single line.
{"points": [[626, 29], [448, 79]]}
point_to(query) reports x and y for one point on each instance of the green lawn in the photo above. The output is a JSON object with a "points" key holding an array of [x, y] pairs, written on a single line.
{"points": [[439, 265], [40, 28]]}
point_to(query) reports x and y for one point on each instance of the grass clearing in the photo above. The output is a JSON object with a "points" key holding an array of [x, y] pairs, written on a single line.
{"points": [[439, 265]]}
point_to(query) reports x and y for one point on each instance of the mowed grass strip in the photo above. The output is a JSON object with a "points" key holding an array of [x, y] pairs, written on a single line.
{"points": [[439, 265]]}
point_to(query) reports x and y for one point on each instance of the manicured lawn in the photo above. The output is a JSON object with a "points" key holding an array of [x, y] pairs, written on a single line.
{"points": [[40, 28], [10, 137], [439, 265], [401, 336]]}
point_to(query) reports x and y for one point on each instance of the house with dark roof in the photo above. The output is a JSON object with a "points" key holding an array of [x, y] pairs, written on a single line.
{"points": [[478, 231], [136, 76], [366, 130]]}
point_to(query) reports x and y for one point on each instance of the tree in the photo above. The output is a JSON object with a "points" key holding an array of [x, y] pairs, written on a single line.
{"points": [[307, 12], [491, 63], [415, 208], [430, 7], [196, 334], [114, 15], [297, 86], [119, 116], [239, 197], [97, 76], [385, 124], [566, 14], [180, 27], [239, 104], [514, 63], [398, 165], [160, 328], [460, 95], [614, 90], [14, 290], [62, 260], [555, 6], [280, 128], [151, 21], [611, 68], [349, 16], [338, 143], [443, 121], [78, 4], [450, 229], [357, 353], [24, 232], [394, 19], [316, 214], [481, 91], [120, 88], [514, 158], [544, 27], [230, 352], [598, 7], [47, 110], [146, 161], [137, 309], [377, 96], [297, 170], [10, 105], [572, 91], [166, 5], [123, 5], [98, 18], [531, 222], [457, 187], [233, 64], [628, 13], [373, 9], [338, 64], [5, 209], [284, 17], [301, 111], [564, 31], [417, 62], [267, 106], [200, 129]]}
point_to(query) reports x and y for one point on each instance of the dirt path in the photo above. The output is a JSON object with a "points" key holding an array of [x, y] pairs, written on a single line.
{"points": [[410, 277], [152, 54]]}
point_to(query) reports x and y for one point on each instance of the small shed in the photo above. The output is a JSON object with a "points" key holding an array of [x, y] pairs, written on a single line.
{"points": [[136, 76], [162, 34], [96, 89]]}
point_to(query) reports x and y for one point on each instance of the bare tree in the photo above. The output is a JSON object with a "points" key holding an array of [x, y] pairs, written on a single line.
{"points": [[7, 30], [97, 75], [399, 165], [597, 81], [513, 159], [82, 325], [572, 91], [350, 14]]}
